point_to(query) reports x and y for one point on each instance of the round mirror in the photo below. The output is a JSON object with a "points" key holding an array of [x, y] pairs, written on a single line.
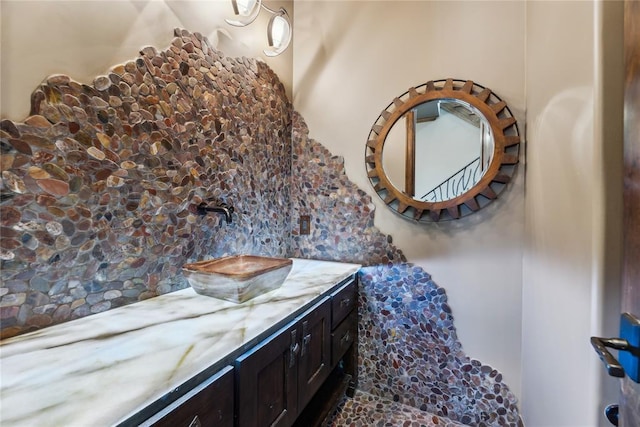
{"points": [[450, 141], [442, 150]]}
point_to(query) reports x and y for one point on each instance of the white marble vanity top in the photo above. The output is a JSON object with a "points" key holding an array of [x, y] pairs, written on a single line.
{"points": [[101, 369]]}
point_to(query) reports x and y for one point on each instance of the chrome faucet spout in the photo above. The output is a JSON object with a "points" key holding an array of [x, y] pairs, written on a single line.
{"points": [[223, 208]]}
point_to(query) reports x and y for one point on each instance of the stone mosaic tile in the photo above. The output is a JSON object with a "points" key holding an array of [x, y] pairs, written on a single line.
{"points": [[410, 353], [97, 210], [366, 410], [341, 213], [100, 182]]}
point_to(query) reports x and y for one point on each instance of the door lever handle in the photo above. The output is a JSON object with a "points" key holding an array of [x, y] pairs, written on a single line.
{"points": [[629, 346], [614, 368]]}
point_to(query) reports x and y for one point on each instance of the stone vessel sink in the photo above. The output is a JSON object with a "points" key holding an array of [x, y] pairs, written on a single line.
{"points": [[237, 278]]}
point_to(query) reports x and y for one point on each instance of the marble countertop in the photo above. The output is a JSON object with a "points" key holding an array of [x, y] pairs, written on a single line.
{"points": [[102, 369]]}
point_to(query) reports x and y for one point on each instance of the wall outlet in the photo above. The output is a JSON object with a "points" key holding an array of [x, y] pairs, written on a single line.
{"points": [[305, 224]]}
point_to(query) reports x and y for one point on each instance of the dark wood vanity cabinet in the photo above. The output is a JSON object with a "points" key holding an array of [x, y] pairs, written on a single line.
{"points": [[293, 377], [298, 374], [277, 378], [343, 377], [209, 404]]}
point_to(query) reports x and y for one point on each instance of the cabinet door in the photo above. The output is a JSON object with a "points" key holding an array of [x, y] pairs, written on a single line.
{"points": [[267, 381], [315, 351], [209, 404]]}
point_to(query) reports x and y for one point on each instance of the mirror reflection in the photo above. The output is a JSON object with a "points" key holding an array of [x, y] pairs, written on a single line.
{"points": [[438, 150]]}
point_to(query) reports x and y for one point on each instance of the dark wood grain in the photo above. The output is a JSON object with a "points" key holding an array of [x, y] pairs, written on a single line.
{"points": [[410, 155], [267, 382], [210, 404], [294, 369], [631, 278], [315, 353], [343, 302]]}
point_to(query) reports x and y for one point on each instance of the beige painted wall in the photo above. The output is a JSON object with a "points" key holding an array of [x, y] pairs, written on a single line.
{"points": [[525, 299], [571, 262], [84, 39], [557, 284], [351, 59]]}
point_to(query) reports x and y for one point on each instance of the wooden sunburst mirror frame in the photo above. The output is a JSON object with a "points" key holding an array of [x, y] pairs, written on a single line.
{"points": [[506, 142]]}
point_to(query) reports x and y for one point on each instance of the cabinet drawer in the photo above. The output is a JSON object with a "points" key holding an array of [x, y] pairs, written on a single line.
{"points": [[342, 337], [209, 404], [343, 301]]}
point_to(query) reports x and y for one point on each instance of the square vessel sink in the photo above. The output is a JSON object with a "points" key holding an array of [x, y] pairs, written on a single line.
{"points": [[237, 278]]}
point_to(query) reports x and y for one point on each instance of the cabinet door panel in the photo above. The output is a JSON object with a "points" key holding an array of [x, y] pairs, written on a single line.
{"points": [[315, 353], [267, 380], [271, 389], [209, 404]]}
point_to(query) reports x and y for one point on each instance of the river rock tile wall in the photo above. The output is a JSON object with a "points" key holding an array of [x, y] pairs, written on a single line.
{"points": [[410, 352], [101, 181], [366, 410], [341, 214]]}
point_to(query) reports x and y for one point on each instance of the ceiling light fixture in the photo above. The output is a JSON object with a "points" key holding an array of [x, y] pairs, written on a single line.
{"points": [[279, 29]]}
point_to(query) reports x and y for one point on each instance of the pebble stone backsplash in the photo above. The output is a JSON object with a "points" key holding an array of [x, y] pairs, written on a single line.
{"points": [[97, 210], [101, 181], [341, 214]]}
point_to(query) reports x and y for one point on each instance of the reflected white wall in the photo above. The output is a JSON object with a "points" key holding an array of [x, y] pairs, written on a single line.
{"points": [[443, 147]]}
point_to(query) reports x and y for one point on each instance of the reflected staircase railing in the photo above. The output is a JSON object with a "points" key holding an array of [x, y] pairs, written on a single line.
{"points": [[456, 184]]}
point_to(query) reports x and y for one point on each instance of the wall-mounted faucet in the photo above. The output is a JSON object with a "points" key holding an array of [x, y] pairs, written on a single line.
{"points": [[221, 208]]}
